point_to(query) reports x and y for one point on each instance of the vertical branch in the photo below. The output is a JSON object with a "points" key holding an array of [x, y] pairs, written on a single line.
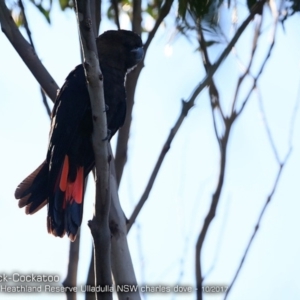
{"points": [[137, 16], [91, 279], [99, 224], [281, 165], [213, 91], [122, 266], [115, 6], [213, 207], [71, 279], [223, 142], [131, 81], [95, 9], [132, 78]]}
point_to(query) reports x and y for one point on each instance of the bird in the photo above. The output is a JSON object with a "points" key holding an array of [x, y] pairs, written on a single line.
{"points": [[59, 181]]}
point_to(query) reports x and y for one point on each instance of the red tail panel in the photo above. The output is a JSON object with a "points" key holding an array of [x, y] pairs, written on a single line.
{"points": [[74, 190], [66, 203]]}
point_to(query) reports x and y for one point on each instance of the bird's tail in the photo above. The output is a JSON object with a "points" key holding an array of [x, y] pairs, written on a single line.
{"points": [[66, 203], [32, 192], [64, 197]]}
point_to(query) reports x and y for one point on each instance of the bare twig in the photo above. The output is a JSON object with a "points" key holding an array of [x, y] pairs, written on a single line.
{"points": [[164, 11], [71, 278], [213, 91], [213, 207], [246, 72], [281, 164], [99, 224], [185, 108], [26, 52], [269, 198], [267, 127], [223, 142], [255, 79], [31, 42]]}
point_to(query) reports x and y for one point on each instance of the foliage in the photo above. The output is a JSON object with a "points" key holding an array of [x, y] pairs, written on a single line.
{"points": [[189, 12], [290, 7]]}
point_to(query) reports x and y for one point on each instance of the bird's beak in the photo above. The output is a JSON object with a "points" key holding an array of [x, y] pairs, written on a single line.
{"points": [[138, 53]]}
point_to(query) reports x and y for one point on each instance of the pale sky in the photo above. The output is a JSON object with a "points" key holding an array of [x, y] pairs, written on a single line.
{"points": [[163, 247]]}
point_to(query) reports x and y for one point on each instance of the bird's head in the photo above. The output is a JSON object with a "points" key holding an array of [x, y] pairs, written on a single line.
{"points": [[120, 49]]}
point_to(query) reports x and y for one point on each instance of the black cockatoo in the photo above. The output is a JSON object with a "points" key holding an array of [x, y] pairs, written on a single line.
{"points": [[59, 180]]}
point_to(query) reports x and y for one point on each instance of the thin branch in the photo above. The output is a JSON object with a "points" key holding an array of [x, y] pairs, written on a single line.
{"points": [[26, 52], [115, 6], [164, 11], [275, 151], [213, 91], [91, 279], [220, 241], [255, 79], [223, 142], [131, 81], [99, 224], [213, 207], [275, 185], [185, 108], [26, 26], [71, 279], [267, 127], [246, 72], [132, 78], [137, 18], [269, 198]]}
